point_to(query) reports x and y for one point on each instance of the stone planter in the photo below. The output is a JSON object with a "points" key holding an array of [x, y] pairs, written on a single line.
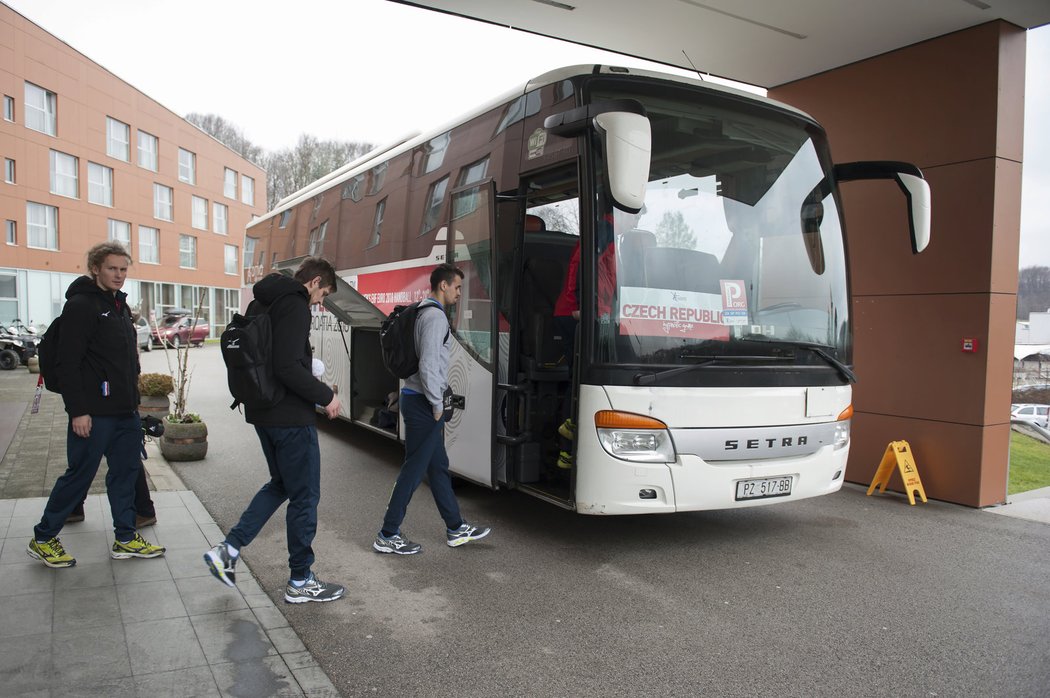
{"points": [[156, 405], [183, 442]]}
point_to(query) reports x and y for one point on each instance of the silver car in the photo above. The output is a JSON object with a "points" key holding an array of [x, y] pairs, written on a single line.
{"points": [[1031, 414], [142, 335]]}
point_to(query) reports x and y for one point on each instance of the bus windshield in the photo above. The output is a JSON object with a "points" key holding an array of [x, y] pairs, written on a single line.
{"points": [[732, 258]]}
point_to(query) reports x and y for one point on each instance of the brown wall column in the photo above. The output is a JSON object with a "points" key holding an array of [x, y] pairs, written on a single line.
{"points": [[954, 106]]}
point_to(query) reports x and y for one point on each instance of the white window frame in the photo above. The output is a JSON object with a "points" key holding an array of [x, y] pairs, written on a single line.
{"points": [[9, 170], [159, 201], [187, 166], [187, 246], [149, 244], [118, 139], [11, 232], [228, 268], [150, 155], [9, 108], [199, 210], [229, 185], [48, 228], [247, 190], [220, 223], [113, 226], [100, 182], [65, 174], [41, 117]]}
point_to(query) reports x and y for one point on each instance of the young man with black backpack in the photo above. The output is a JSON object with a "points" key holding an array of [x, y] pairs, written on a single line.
{"points": [[424, 409], [287, 430], [95, 362]]}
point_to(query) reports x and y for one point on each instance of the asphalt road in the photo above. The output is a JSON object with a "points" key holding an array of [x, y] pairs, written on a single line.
{"points": [[842, 595]]}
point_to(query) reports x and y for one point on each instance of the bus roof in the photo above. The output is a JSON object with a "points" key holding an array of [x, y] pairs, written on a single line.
{"points": [[398, 146]]}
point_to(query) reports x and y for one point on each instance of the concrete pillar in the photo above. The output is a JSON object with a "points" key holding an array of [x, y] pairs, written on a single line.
{"points": [[954, 106]]}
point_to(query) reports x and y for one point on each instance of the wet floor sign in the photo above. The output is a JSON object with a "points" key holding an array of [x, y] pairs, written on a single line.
{"points": [[898, 456]]}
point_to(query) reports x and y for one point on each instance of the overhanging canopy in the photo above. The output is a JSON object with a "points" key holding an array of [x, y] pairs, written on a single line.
{"points": [[761, 42]]}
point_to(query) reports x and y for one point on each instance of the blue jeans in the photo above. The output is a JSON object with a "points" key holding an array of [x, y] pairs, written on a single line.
{"points": [[119, 439], [294, 460], [424, 453]]}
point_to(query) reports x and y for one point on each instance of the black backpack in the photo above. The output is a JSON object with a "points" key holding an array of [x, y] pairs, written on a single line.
{"points": [[47, 350], [247, 350], [398, 341]]}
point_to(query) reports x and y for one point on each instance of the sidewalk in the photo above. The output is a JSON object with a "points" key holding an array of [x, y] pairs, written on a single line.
{"points": [[161, 627]]}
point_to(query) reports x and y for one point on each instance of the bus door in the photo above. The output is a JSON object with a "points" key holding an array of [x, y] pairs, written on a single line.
{"points": [[540, 343], [469, 432]]}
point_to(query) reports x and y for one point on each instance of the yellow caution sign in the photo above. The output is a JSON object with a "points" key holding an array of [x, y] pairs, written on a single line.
{"points": [[898, 454]]}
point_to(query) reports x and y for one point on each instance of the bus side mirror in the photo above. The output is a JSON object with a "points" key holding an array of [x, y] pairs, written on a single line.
{"points": [[909, 178], [626, 138]]}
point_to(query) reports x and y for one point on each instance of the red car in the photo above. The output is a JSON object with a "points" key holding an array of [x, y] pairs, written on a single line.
{"points": [[176, 330]]}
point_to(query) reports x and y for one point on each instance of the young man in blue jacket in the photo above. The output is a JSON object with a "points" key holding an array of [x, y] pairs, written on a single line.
{"points": [[98, 369], [288, 434], [423, 408]]}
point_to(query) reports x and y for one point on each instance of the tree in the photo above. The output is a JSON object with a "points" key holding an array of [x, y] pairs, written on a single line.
{"points": [[1033, 291], [229, 135], [287, 170], [673, 231]]}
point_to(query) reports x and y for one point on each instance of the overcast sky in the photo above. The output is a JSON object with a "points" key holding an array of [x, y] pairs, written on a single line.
{"points": [[371, 70]]}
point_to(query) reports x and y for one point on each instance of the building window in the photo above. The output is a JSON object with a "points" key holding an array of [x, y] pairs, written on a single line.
{"points": [[219, 212], [200, 213], [229, 183], [118, 139], [354, 189], [64, 180], [317, 236], [9, 108], [230, 259], [120, 231], [42, 223], [148, 147], [12, 232], [162, 197], [187, 166], [9, 170], [187, 252], [247, 190], [149, 245], [41, 106], [249, 251], [377, 223], [100, 184], [434, 152], [378, 178], [285, 216], [434, 199]]}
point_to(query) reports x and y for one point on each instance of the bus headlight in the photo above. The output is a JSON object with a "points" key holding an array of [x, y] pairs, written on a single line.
{"points": [[634, 437]]}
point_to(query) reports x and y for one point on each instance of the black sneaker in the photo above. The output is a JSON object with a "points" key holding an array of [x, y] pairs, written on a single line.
{"points": [[313, 590], [397, 544], [466, 533], [221, 564]]}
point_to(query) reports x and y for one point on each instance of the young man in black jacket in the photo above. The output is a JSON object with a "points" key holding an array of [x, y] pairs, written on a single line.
{"points": [[98, 370], [288, 434]]}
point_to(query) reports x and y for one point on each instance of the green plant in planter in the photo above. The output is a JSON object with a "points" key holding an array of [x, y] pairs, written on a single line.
{"points": [[156, 384], [180, 375]]}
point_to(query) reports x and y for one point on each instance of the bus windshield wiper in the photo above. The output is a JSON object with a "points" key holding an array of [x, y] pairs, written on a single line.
{"points": [[820, 350], [648, 377]]}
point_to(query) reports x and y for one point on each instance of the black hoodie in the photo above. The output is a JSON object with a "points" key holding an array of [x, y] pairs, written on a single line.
{"points": [[289, 308], [97, 346]]}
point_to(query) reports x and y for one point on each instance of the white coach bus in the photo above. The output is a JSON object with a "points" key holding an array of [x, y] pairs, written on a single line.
{"points": [[711, 363]]}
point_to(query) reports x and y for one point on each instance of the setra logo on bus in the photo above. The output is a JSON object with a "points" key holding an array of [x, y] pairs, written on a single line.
{"points": [[784, 442]]}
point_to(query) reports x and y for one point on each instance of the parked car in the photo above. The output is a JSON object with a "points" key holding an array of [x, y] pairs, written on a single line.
{"points": [[1031, 414], [143, 336], [176, 330]]}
